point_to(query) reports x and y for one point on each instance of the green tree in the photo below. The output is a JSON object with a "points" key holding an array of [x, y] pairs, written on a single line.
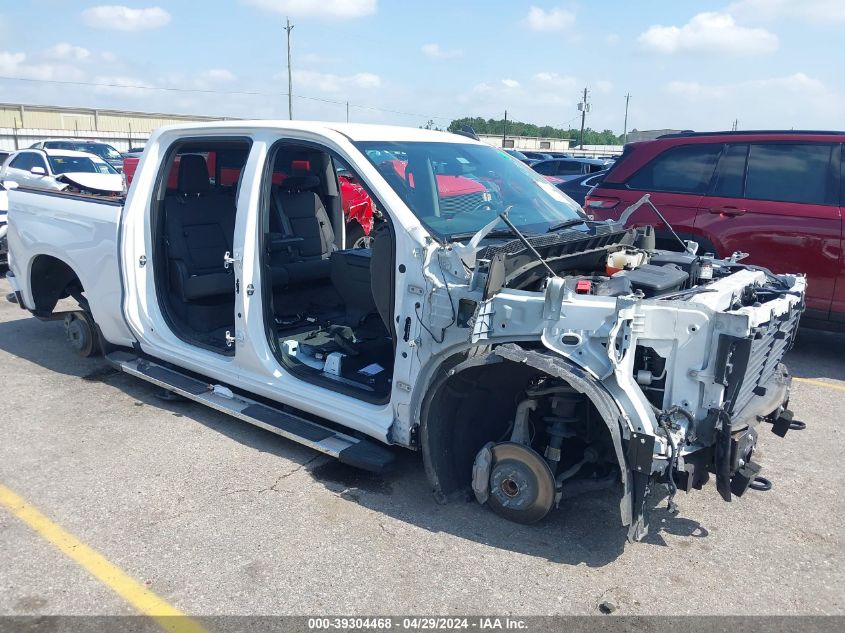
{"points": [[518, 128]]}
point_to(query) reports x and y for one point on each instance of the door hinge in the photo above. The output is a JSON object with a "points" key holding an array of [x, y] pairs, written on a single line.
{"points": [[229, 258], [237, 338]]}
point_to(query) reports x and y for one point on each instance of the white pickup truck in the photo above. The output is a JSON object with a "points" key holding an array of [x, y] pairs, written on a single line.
{"points": [[529, 352]]}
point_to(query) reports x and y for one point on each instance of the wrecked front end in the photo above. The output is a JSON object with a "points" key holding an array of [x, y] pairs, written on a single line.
{"points": [[629, 365]]}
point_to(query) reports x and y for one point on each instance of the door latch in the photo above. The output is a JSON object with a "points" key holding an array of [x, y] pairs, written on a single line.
{"points": [[231, 340], [142, 261], [250, 289], [229, 258]]}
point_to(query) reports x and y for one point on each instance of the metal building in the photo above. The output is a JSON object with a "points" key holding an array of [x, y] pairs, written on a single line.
{"points": [[21, 125]]}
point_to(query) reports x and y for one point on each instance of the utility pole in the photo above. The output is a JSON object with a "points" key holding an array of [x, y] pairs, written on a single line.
{"points": [[505, 129], [625, 131], [584, 106], [289, 27], [347, 112], [735, 125]]}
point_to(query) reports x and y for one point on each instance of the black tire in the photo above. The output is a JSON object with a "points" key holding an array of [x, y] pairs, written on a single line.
{"points": [[355, 236], [82, 334]]}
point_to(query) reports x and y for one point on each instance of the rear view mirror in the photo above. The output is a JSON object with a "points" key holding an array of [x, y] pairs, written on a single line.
{"points": [[38, 171]]}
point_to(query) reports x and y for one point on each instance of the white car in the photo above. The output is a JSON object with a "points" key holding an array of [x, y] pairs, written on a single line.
{"points": [[59, 170]]}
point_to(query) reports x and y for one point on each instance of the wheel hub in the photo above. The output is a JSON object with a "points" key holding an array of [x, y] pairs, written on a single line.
{"points": [[522, 487]]}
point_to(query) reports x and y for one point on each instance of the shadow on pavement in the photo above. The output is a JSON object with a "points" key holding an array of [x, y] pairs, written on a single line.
{"points": [[818, 354], [584, 530]]}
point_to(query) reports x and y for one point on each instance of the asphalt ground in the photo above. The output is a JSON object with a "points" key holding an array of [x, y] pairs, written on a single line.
{"points": [[214, 516]]}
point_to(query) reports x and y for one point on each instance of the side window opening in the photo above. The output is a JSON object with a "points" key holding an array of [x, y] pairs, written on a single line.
{"points": [[683, 169]]}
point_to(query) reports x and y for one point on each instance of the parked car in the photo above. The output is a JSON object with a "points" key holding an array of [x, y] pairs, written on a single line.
{"points": [[518, 155], [577, 188], [566, 168], [536, 155], [773, 195], [3, 156], [524, 351], [103, 150], [59, 169]]}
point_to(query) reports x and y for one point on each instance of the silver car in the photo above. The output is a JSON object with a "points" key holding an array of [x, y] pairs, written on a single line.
{"points": [[59, 170]]}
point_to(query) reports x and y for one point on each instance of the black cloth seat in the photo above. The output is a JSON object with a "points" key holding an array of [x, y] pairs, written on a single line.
{"points": [[306, 233], [200, 228]]}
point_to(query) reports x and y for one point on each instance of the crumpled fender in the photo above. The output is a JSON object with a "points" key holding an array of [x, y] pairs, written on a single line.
{"points": [[580, 380]]}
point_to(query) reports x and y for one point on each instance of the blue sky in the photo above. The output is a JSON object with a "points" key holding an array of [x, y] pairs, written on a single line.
{"points": [[698, 65]]}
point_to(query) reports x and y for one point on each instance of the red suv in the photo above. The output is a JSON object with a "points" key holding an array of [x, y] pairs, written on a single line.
{"points": [[775, 195]]}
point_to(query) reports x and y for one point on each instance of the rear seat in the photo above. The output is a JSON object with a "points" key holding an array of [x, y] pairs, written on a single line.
{"points": [[200, 229], [306, 230]]}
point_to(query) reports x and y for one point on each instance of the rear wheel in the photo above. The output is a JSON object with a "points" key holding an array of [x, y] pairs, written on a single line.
{"points": [[82, 334]]}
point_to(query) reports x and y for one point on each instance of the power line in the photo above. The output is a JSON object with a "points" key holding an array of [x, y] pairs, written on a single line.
{"points": [[252, 93]]}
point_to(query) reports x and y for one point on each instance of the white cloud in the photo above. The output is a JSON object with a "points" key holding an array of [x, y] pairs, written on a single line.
{"points": [[556, 19], [18, 65], [813, 11], [709, 33], [120, 18], [795, 100], [510, 83], [318, 8], [603, 86], [435, 52], [219, 74], [612, 39], [554, 81], [67, 52], [328, 82], [122, 85]]}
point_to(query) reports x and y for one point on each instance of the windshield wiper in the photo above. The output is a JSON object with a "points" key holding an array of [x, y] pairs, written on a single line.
{"points": [[566, 224]]}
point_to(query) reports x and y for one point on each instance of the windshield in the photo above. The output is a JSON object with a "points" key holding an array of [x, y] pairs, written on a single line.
{"points": [[79, 164], [99, 149], [456, 189]]}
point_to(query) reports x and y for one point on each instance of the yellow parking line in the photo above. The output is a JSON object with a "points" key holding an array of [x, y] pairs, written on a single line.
{"points": [[820, 383], [141, 598]]}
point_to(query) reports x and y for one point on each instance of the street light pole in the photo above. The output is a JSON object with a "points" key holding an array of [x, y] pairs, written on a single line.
{"points": [[625, 132], [289, 27]]}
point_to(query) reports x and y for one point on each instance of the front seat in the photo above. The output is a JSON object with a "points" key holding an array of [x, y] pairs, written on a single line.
{"points": [[200, 230], [306, 228]]}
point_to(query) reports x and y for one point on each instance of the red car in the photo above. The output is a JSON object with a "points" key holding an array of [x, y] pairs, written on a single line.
{"points": [[778, 196]]}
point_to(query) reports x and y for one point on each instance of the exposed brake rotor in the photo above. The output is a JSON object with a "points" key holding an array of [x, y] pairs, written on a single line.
{"points": [[522, 486]]}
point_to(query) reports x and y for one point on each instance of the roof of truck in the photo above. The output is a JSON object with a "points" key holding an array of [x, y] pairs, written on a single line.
{"points": [[354, 131]]}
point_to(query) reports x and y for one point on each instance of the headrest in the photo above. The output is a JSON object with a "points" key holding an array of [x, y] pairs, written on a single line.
{"points": [[300, 183], [193, 174], [300, 165]]}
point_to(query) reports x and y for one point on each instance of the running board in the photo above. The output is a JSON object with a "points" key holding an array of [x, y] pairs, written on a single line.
{"points": [[363, 454]]}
